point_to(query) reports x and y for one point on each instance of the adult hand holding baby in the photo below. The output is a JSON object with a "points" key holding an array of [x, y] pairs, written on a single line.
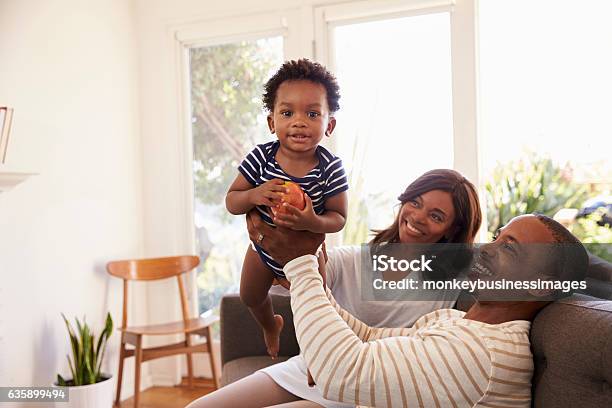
{"points": [[282, 243]]}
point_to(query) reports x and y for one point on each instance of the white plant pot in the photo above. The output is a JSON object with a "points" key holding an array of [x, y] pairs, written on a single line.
{"points": [[98, 395]]}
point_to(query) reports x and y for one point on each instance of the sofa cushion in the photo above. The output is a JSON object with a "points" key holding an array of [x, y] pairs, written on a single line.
{"points": [[242, 337], [240, 368], [572, 346]]}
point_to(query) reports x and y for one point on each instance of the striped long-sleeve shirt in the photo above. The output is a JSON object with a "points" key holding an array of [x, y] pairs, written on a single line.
{"points": [[325, 180], [443, 360]]}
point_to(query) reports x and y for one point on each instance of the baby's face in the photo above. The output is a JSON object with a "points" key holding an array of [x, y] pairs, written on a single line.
{"points": [[301, 115]]}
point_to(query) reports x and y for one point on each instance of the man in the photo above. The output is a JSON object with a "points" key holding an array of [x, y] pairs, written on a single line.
{"points": [[448, 358]]}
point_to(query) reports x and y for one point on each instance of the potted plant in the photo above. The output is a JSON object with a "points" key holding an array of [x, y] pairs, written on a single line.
{"points": [[89, 387]]}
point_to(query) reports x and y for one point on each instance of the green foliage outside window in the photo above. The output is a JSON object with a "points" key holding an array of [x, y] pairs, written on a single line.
{"points": [[532, 184], [536, 184], [226, 87]]}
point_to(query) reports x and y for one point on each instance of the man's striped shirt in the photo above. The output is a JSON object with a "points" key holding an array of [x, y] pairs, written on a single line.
{"points": [[443, 360]]}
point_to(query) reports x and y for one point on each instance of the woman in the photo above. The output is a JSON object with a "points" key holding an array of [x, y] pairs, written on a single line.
{"points": [[439, 206]]}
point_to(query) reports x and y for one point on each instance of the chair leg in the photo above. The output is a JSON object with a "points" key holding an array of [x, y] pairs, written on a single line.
{"points": [[189, 360], [120, 372], [137, 365], [213, 364]]}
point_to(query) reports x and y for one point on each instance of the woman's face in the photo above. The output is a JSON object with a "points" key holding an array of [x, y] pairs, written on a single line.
{"points": [[427, 218]]}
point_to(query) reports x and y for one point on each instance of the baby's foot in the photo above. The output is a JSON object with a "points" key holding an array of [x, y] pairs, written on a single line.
{"points": [[272, 337]]}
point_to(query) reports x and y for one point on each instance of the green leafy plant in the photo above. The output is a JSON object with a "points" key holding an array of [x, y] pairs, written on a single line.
{"points": [[596, 238], [86, 358], [532, 184]]}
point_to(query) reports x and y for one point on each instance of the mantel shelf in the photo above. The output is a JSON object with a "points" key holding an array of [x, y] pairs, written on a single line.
{"points": [[9, 179]]}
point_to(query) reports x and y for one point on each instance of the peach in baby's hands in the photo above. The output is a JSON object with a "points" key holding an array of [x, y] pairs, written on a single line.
{"points": [[294, 196]]}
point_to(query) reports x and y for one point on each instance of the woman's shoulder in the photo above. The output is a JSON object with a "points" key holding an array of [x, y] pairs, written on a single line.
{"points": [[345, 252], [343, 263]]}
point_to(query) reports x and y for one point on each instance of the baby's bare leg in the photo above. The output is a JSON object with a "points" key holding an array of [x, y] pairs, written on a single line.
{"points": [[255, 283]]}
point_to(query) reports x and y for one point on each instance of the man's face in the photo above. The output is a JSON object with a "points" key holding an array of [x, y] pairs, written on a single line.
{"points": [[513, 256]]}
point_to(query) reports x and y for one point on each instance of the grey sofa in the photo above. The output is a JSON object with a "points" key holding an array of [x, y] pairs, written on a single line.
{"points": [[571, 343]]}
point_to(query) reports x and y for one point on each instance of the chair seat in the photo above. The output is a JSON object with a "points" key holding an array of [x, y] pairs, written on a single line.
{"points": [[192, 325]]}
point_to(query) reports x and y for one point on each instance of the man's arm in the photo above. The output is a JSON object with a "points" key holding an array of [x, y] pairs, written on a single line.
{"points": [[362, 330], [385, 372], [303, 242]]}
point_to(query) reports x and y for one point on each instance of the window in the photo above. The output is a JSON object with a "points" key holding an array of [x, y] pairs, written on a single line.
{"points": [[396, 119], [546, 99]]}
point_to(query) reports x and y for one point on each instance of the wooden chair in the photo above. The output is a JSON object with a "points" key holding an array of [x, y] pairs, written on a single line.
{"points": [[154, 269]]}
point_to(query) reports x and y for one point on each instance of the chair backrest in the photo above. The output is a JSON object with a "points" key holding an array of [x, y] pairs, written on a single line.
{"points": [[153, 269]]}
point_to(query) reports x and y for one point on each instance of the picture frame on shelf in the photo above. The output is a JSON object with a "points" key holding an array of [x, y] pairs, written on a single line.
{"points": [[6, 119]]}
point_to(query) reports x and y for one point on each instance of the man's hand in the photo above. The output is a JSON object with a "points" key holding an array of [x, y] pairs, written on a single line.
{"points": [[281, 243]]}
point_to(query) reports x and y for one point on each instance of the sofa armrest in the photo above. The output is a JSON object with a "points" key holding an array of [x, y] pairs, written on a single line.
{"points": [[572, 350], [241, 336]]}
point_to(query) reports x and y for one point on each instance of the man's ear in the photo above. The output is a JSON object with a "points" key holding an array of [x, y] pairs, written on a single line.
{"points": [[331, 125], [271, 123]]}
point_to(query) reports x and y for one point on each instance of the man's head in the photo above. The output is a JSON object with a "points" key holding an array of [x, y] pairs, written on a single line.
{"points": [[528, 250]]}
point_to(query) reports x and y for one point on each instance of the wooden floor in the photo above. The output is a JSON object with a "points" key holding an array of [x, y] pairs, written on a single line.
{"points": [[171, 397]]}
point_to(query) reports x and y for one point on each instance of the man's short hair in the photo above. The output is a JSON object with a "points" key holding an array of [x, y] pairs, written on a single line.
{"points": [[570, 258]]}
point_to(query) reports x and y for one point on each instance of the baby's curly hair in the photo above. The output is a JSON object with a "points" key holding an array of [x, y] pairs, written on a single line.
{"points": [[302, 69]]}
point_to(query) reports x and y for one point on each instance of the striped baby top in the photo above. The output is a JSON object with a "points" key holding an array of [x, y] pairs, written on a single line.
{"points": [[325, 180], [443, 360]]}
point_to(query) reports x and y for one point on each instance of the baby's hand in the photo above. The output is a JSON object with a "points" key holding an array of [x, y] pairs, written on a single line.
{"points": [[268, 193], [300, 220]]}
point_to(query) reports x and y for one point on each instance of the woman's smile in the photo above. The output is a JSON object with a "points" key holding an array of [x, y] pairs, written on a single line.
{"points": [[411, 229]]}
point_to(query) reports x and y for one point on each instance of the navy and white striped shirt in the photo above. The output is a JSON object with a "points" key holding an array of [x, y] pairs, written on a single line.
{"points": [[325, 180]]}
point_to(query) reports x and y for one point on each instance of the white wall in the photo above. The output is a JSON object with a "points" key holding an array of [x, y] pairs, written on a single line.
{"points": [[69, 68]]}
